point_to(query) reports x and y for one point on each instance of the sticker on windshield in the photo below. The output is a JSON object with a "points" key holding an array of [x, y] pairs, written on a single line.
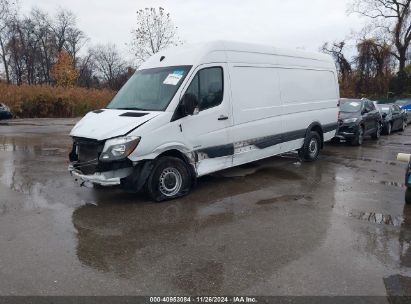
{"points": [[173, 79]]}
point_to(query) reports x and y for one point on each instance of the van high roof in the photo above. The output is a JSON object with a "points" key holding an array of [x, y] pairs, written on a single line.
{"points": [[230, 51]]}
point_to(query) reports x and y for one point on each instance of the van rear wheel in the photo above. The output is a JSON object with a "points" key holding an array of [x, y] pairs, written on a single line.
{"points": [[169, 179], [311, 147]]}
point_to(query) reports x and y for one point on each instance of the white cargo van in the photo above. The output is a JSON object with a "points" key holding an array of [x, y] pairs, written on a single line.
{"points": [[194, 110]]}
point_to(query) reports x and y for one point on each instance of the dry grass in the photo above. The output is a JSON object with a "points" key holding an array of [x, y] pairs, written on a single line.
{"points": [[29, 101]]}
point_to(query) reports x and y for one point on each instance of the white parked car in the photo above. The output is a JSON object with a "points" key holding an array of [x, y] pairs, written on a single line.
{"points": [[194, 110]]}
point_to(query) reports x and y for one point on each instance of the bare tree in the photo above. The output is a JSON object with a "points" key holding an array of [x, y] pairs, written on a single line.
{"points": [[373, 66], [34, 42], [64, 21], [87, 71], [109, 63], [75, 40], [155, 31], [336, 50], [47, 43], [393, 17], [8, 11]]}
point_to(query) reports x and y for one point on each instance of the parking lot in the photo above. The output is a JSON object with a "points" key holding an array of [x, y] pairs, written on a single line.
{"points": [[338, 226]]}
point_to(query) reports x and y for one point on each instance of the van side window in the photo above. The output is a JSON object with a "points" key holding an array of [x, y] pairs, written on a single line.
{"points": [[207, 85]]}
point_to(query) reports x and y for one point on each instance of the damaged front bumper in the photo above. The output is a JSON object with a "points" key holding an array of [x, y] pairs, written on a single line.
{"points": [[347, 131], [108, 178]]}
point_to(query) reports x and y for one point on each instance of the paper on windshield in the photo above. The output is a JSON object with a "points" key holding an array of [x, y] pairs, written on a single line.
{"points": [[354, 103], [174, 78]]}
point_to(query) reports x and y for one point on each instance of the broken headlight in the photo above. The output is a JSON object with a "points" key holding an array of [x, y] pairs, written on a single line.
{"points": [[119, 148]]}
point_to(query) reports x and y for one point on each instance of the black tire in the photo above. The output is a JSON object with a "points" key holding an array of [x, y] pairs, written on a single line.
{"points": [[377, 133], [408, 196], [359, 137], [388, 129], [404, 125], [311, 147], [169, 179]]}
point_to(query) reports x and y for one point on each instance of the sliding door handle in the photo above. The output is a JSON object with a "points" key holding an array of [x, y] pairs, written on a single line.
{"points": [[223, 117]]}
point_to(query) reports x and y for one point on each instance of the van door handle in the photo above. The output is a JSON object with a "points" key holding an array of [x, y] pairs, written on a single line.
{"points": [[222, 117]]}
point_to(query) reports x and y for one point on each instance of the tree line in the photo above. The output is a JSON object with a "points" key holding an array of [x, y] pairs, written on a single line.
{"points": [[39, 48], [381, 66]]}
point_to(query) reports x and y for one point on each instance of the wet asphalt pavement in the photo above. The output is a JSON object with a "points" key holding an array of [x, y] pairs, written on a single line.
{"points": [[338, 226]]}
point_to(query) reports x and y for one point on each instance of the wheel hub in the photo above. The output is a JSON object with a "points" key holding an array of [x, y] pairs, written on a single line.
{"points": [[170, 182], [313, 147]]}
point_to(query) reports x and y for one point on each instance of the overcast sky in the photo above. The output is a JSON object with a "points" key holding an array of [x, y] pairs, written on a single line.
{"points": [[295, 24]]}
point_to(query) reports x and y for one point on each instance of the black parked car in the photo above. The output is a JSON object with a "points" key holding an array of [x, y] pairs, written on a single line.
{"points": [[393, 118], [358, 118], [5, 112]]}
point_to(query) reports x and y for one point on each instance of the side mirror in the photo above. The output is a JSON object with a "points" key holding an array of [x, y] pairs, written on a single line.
{"points": [[189, 104]]}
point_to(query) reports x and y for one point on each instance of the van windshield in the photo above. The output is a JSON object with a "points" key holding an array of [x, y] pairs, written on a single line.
{"points": [[150, 89]]}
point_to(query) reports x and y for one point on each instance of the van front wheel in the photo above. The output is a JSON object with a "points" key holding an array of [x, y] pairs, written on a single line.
{"points": [[169, 179], [311, 148]]}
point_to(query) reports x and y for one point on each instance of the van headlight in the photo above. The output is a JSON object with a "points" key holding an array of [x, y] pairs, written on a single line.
{"points": [[119, 148]]}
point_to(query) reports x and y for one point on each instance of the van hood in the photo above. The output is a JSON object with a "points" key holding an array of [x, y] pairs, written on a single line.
{"points": [[109, 123]]}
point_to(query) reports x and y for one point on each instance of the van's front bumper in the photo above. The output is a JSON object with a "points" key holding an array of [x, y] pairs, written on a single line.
{"points": [[109, 178]]}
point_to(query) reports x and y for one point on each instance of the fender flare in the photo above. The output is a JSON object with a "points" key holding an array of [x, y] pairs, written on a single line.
{"points": [[316, 125], [136, 181]]}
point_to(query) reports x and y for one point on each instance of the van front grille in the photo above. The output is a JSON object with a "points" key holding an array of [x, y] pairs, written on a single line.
{"points": [[88, 153]]}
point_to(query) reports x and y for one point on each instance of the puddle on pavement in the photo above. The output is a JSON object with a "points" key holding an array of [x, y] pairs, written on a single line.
{"points": [[398, 286], [284, 198], [394, 184], [372, 217], [37, 150], [275, 172]]}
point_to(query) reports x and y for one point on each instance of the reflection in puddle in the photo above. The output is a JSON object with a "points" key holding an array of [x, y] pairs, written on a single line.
{"points": [[398, 286], [372, 217], [284, 198], [37, 150], [394, 184]]}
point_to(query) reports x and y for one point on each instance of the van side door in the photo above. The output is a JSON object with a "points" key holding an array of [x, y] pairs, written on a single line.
{"points": [[206, 131]]}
